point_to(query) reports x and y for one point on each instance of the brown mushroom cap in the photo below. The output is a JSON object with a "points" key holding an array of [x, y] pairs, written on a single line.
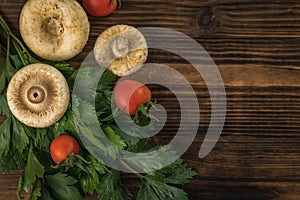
{"points": [[121, 48], [38, 95], [54, 29]]}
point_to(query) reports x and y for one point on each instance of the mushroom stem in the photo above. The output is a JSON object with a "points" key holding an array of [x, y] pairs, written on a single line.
{"points": [[52, 26], [120, 46], [36, 94]]}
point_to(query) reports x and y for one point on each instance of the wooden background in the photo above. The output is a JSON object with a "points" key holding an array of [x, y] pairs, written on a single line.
{"points": [[256, 46]]}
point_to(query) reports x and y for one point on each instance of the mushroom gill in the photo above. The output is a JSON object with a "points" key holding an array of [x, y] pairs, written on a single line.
{"points": [[38, 95]]}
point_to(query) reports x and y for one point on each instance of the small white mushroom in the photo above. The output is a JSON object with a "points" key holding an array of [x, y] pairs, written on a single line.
{"points": [[54, 29], [38, 95], [121, 48]]}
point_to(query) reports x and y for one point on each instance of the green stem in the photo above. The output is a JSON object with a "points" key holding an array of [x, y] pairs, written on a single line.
{"points": [[119, 4], [23, 50], [7, 51], [4, 25], [82, 159], [18, 45], [132, 170], [20, 53]]}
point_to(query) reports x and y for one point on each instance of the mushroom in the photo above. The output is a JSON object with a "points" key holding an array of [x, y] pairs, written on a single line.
{"points": [[54, 29], [122, 49], [38, 95]]}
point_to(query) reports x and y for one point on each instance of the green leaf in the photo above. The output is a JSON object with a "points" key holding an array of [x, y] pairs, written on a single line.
{"points": [[41, 139], [88, 184], [36, 191], [113, 137], [155, 185], [64, 67], [107, 78], [155, 190], [10, 70], [5, 137], [4, 106], [33, 170], [63, 187], [97, 146], [69, 124], [46, 160], [2, 80], [88, 125], [85, 88], [87, 113], [89, 178], [134, 144], [17, 61], [83, 112], [19, 135], [13, 161], [110, 187], [152, 159], [146, 192], [176, 173], [46, 194], [99, 166], [19, 189]]}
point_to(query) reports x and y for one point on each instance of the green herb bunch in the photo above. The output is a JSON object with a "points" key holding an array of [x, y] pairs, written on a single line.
{"points": [[26, 148]]}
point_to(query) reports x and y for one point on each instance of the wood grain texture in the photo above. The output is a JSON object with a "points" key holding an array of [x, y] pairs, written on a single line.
{"points": [[256, 46]]}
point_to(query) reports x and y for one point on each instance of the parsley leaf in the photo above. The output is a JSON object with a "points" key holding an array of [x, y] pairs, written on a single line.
{"points": [[107, 79], [156, 190], [5, 136], [46, 193], [155, 184], [176, 173], [36, 191], [13, 161], [41, 139], [4, 107], [152, 159], [134, 144], [17, 61], [88, 184], [63, 187], [111, 188], [113, 137], [33, 170], [63, 67], [2, 80], [19, 135], [87, 123], [90, 178]]}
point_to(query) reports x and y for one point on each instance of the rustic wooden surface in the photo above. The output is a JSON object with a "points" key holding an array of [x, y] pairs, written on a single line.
{"points": [[256, 46]]}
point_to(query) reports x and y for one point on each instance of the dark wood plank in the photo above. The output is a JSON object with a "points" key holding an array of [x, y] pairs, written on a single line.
{"points": [[261, 60], [256, 45]]}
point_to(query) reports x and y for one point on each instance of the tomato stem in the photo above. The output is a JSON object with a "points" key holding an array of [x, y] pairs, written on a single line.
{"points": [[82, 159], [119, 3], [71, 161]]}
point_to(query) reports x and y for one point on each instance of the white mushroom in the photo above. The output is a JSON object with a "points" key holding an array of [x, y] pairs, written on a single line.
{"points": [[54, 29], [38, 95], [121, 48]]}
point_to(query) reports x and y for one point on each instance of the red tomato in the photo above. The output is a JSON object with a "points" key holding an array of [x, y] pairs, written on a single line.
{"points": [[129, 94], [62, 146], [100, 8]]}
